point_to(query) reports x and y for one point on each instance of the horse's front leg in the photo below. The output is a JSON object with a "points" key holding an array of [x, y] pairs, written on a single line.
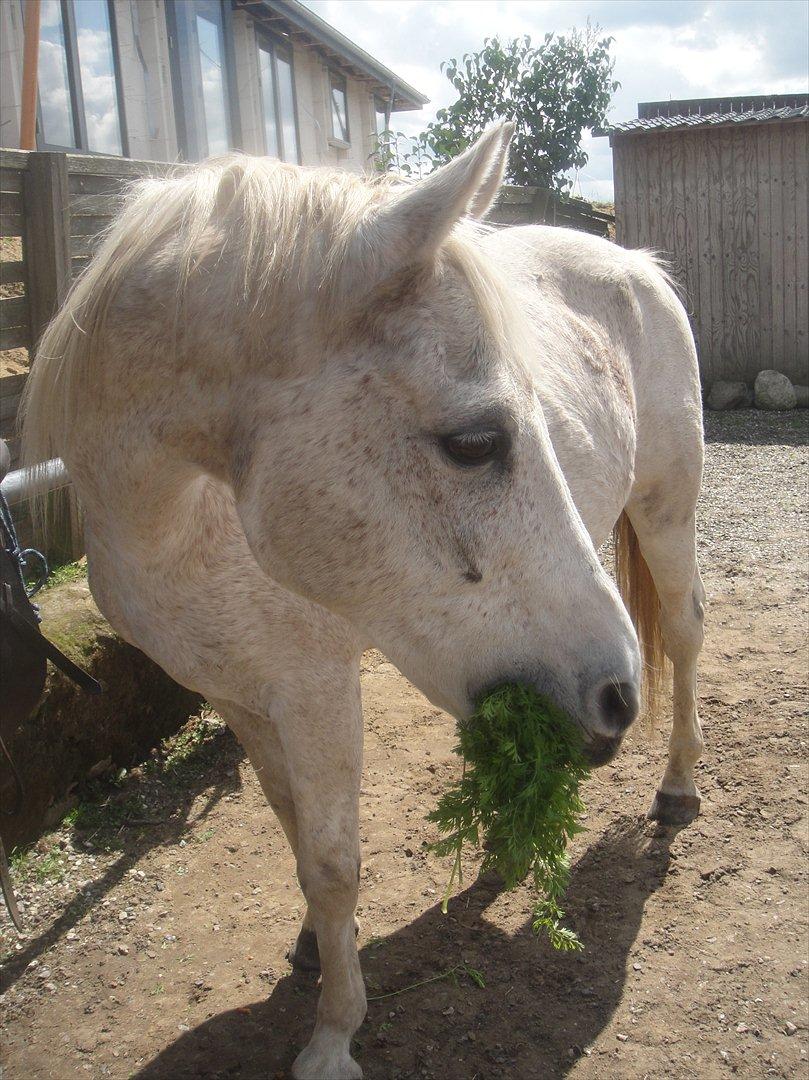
{"points": [[670, 554], [308, 757]]}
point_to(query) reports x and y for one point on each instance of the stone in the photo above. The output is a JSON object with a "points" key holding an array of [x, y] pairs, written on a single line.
{"points": [[802, 395], [774, 391], [729, 395]]}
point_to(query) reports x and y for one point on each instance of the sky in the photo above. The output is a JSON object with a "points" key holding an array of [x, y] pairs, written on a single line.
{"points": [[662, 48]]}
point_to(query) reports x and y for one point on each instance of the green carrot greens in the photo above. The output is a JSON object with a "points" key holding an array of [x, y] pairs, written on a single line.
{"points": [[518, 796]]}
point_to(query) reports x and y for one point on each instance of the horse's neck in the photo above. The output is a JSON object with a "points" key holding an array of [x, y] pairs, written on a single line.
{"points": [[589, 409], [141, 462]]}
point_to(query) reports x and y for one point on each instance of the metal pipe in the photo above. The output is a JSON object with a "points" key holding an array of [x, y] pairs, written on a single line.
{"points": [[24, 484], [30, 64]]}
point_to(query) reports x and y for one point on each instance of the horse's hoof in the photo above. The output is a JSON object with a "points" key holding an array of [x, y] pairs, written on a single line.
{"points": [[321, 1063], [674, 809], [304, 955]]}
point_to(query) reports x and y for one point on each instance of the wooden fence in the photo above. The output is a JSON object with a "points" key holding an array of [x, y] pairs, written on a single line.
{"points": [[538, 206], [53, 206], [728, 207]]}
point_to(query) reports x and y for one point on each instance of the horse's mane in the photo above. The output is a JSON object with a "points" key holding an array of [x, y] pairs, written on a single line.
{"points": [[281, 233]]}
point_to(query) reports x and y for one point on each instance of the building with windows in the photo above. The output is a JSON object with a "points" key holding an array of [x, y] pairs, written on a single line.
{"points": [[168, 80]]}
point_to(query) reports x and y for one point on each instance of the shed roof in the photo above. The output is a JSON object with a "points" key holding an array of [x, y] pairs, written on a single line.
{"points": [[658, 116], [293, 19]]}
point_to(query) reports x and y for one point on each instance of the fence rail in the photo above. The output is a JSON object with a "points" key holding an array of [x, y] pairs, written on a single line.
{"points": [[23, 484], [53, 208], [539, 206]]}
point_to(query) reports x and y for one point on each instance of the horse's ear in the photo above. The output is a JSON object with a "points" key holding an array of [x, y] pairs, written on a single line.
{"points": [[487, 192], [231, 180], [410, 227]]}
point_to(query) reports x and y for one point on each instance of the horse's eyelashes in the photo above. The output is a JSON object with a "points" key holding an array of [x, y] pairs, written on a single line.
{"points": [[474, 447]]}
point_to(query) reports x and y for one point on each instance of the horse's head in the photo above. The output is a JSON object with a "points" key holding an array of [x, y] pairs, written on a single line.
{"points": [[407, 480]]}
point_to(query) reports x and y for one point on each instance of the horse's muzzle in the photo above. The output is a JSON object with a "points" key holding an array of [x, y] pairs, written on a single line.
{"points": [[598, 750]]}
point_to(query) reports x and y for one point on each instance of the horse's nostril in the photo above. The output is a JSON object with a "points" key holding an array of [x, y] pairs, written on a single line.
{"points": [[618, 705]]}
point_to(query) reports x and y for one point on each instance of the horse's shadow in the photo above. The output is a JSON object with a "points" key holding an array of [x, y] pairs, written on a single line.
{"points": [[538, 1012], [177, 805]]}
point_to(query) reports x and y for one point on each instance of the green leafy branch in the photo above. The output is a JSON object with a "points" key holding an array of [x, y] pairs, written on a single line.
{"points": [[518, 797], [552, 91]]}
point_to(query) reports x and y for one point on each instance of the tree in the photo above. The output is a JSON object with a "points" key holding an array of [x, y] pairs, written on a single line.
{"points": [[552, 93]]}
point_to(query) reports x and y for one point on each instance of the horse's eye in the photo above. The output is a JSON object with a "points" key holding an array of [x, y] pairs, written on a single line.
{"points": [[474, 447]]}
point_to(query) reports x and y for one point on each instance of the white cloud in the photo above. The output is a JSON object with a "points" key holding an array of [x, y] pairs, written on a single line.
{"points": [[99, 91], [54, 94], [50, 16], [663, 48]]}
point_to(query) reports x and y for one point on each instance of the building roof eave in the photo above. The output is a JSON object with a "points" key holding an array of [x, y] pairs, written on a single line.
{"points": [[401, 96]]}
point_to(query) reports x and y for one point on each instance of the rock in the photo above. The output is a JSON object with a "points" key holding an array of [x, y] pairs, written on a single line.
{"points": [[729, 395], [774, 391], [802, 395]]}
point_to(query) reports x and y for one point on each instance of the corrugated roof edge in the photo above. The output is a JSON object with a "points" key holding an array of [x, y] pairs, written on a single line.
{"points": [[715, 119], [739, 103], [299, 15]]}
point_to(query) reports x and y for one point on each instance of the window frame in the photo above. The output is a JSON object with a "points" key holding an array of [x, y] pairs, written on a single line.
{"points": [[385, 109], [268, 41], [379, 106], [336, 139], [78, 115], [186, 78]]}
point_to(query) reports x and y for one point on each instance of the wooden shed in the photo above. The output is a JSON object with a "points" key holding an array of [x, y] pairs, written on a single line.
{"points": [[720, 187]]}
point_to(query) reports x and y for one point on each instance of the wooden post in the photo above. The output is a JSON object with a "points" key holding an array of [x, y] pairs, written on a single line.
{"points": [[47, 238], [30, 66], [539, 207]]}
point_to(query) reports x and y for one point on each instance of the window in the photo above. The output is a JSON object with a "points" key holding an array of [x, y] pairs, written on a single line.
{"points": [[79, 82], [278, 100], [205, 104], [381, 117], [339, 107], [210, 50]]}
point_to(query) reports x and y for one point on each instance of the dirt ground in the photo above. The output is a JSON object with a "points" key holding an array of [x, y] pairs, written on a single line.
{"points": [[159, 915]]}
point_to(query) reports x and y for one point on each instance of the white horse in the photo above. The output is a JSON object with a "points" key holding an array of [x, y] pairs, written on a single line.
{"points": [[306, 412]]}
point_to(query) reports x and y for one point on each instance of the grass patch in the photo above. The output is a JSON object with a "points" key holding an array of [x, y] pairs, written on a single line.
{"points": [[188, 751], [30, 865], [65, 573], [49, 868]]}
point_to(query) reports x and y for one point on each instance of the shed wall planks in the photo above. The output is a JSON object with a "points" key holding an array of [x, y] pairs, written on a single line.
{"points": [[729, 208]]}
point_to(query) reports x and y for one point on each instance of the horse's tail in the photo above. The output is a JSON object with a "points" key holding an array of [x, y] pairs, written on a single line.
{"points": [[639, 593]]}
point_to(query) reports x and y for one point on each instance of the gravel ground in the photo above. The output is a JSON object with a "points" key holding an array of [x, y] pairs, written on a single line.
{"points": [[157, 916]]}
